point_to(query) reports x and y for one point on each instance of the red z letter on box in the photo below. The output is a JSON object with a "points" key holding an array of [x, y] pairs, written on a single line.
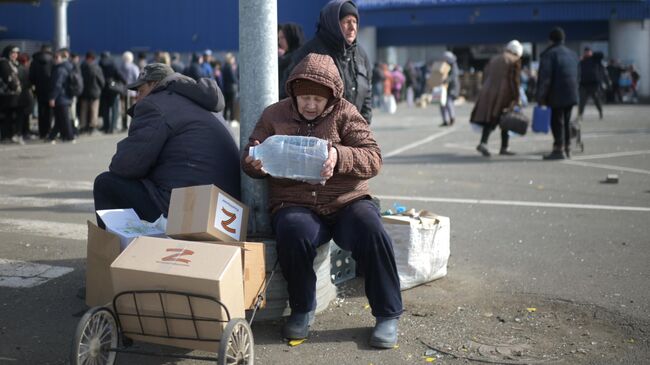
{"points": [[177, 256]]}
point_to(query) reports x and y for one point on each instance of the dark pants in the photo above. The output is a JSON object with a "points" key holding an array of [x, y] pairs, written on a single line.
{"points": [[561, 127], [487, 129], [114, 192], [62, 123], [109, 109], [586, 92], [357, 228], [44, 118], [229, 108]]}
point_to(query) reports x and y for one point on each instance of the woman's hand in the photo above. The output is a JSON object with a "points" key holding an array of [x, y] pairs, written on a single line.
{"points": [[329, 165], [255, 164]]}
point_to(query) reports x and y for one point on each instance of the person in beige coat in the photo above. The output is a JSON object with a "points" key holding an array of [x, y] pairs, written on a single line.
{"points": [[500, 92]]}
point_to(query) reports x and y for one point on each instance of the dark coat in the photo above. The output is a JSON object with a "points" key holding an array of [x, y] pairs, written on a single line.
{"points": [[230, 83], [557, 84], [114, 82], [500, 89], [59, 79], [93, 81], [359, 157], [453, 80], [193, 70], [351, 60], [40, 74], [176, 140]]}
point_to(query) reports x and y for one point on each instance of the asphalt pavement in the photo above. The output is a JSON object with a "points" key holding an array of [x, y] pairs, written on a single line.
{"points": [[525, 233]]}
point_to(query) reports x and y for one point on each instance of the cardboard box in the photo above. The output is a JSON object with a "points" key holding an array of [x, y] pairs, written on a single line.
{"points": [[206, 213], [196, 268], [254, 269], [438, 74], [102, 249], [127, 225]]}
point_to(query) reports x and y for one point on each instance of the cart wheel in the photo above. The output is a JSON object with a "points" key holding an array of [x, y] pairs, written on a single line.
{"points": [[96, 333], [236, 346]]}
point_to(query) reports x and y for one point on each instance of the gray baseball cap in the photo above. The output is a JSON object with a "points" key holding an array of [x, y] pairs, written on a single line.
{"points": [[151, 72]]}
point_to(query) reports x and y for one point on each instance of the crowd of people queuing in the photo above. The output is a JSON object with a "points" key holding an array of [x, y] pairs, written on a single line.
{"points": [[43, 85]]}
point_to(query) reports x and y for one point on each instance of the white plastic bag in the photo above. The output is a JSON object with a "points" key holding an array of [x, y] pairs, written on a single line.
{"points": [[439, 95], [421, 246]]}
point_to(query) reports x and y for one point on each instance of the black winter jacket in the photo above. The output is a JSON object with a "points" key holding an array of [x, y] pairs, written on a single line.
{"points": [[40, 74], [176, 140], [558, 77], [93, 81], [351, 60], [58, 91]]}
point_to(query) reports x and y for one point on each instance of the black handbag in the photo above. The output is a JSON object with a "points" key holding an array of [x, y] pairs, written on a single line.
{"points": [[514, 121]]}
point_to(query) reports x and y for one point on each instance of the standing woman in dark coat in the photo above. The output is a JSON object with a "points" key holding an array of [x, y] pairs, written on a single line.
{"points": [[557, 88], [336, 36], [290, 38]]}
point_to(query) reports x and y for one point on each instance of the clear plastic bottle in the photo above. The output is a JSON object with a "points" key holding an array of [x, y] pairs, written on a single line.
{"points": [[292, 157]]}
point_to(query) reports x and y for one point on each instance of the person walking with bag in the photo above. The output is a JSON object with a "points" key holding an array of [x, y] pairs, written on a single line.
{"points": [[453, 90], [557, 88], [500, 92]]}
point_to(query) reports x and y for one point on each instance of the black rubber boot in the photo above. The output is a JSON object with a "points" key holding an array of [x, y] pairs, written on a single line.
{"points": [[297, 325], [384, 335]]}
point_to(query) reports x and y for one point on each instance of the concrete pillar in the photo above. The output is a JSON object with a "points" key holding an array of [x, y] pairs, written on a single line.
{"points": [[367, 38], [60, 23], [629, 42], [258, 81]]}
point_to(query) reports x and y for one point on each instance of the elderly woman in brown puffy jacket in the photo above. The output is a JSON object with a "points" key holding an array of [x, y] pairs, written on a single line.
{"points": [[500, 92], [306, 216]]}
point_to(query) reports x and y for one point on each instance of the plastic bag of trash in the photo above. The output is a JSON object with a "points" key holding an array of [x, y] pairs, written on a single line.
{"points": [[421, 243]]}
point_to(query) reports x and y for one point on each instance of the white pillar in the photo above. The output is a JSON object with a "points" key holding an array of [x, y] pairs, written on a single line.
{"points": [[60, 23], [258, 81], [367, 38], [629, 42]]}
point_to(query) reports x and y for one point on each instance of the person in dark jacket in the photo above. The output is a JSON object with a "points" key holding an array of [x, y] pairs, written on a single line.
{"points": [[175, 140], [336, 36], [290, 38], [592, 77], [230, 86], [40, 75], [10, 90], [193, 70], [25, 100], [557, 88], [89, 99], [114, 87], [60, 101], [306, 216]]}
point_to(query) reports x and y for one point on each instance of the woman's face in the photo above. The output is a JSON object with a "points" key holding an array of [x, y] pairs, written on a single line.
{"points": [[311, 106], [282, 41]]}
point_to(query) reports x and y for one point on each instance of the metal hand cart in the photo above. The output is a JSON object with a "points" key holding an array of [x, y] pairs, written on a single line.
{"points": [[100, 334]]}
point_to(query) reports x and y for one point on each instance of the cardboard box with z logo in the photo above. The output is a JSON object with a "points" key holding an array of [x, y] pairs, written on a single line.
{"points": [[205, 213]]}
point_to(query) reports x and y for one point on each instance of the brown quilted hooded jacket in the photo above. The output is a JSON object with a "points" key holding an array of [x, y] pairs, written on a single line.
{"points": [[359, 157]]}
